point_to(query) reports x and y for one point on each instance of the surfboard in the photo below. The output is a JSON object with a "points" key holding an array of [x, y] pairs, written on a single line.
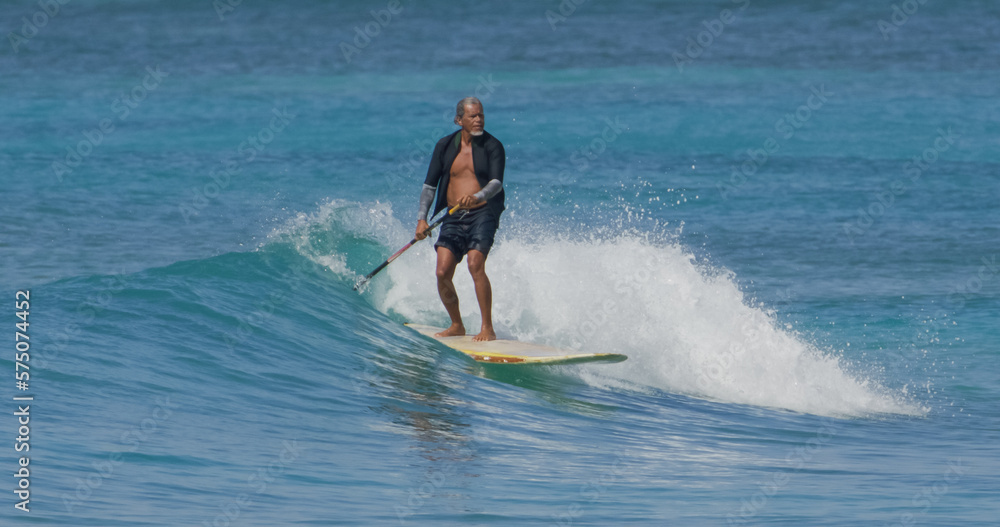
{"points": [[514, 352]]}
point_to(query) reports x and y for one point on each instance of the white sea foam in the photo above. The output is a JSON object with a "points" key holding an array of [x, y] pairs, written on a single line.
{"points": [[686, 326]]}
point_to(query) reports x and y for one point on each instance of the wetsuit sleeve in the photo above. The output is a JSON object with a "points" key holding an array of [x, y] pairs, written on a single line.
{"points": [[491, 189], [436, 167], [434, 171], [426, 198], [497, 160]]}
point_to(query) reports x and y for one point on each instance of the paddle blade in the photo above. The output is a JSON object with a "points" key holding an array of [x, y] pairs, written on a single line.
{"points": [[360, 283]]}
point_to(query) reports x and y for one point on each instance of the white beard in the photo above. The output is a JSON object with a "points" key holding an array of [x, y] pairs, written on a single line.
{"points": [[476, 134]]}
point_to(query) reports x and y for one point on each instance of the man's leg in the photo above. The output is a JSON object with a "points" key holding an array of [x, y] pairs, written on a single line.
{"points": [[484, 293], [446, 263]]}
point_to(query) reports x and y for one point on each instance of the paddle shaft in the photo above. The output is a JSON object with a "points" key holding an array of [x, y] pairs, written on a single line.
{"points": [[389, 260]]}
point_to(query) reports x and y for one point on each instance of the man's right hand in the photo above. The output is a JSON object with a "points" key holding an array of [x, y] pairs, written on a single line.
{"points": [[421, 227]]}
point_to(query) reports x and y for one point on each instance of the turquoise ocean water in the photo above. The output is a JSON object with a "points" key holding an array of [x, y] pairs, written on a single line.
{"points": [[785, 214]]}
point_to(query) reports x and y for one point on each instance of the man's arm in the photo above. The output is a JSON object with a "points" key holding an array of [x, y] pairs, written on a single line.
{"points": [[491, 189], [496, 159], [426, 199], [434, 170]]}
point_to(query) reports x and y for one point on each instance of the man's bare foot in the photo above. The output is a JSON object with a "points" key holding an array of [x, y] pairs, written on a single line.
{"points": [[454, 330], [484, 335]]}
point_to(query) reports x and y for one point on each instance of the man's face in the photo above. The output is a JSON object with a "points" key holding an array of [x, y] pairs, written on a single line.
{"points": [[473, 121]]}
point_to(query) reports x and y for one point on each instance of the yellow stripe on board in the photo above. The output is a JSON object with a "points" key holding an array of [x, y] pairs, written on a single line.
{"points": [[513, 352]]}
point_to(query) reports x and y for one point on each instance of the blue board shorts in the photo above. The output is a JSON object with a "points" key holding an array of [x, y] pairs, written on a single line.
{"points": [[461, 233]]}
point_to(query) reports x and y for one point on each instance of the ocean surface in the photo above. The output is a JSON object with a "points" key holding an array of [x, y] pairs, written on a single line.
{"points": [[785, 214]]}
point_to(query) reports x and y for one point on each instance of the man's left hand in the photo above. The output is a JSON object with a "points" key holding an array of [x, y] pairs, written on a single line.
{"points": [[468, 202]]}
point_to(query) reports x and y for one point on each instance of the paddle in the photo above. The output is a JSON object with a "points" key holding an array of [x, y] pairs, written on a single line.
{"points": [[361, 282]]}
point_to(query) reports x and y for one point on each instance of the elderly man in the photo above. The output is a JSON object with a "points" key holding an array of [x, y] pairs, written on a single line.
{"points": [[466, 170]]}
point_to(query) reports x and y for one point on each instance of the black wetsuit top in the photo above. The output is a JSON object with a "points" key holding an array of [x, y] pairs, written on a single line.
{"points": [[488, 160]]}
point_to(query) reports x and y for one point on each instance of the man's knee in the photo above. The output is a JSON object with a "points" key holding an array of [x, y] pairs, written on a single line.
{"points": [[445, 272], [477, 262], [445, 265]]}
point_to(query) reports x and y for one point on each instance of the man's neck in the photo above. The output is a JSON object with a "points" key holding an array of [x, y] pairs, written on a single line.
{"points": [[467, 138]]}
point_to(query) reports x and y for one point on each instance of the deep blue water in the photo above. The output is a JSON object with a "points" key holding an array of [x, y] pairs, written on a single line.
{"points": [[784, 213]]}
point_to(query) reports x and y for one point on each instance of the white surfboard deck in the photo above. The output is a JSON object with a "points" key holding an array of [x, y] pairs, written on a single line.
{"points": [[512, 351]]}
